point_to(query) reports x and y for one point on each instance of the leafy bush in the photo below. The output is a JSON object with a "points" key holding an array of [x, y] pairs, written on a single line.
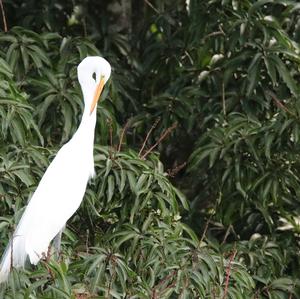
{"points": [[212, 86]]}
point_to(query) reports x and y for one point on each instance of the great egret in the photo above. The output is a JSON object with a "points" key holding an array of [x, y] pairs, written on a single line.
{"points": [[63, 185]]}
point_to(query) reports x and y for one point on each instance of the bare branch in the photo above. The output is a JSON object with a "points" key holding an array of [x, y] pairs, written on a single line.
{"points": [[109, 121], [228, 270], [280, 105], [151, 5], [172, 172], [122, 135], [204, 232], [166, 279], [229, 228], [160, 139], [3, 16], [148, 135]]}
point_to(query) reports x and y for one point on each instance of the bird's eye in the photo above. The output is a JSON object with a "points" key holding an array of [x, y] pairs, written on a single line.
{"points": [[94, 76]]}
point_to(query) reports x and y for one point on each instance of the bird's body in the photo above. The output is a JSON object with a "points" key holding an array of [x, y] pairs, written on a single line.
{"points": [[63, 185]]}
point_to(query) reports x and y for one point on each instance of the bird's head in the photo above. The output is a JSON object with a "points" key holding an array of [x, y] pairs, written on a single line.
{"points": [[93, 72]]}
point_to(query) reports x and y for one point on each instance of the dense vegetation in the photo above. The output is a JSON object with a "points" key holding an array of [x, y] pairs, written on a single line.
{"points": [[197, 146]]}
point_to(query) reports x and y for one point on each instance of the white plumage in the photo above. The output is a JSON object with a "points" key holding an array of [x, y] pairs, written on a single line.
{"points": [[63, 185]]}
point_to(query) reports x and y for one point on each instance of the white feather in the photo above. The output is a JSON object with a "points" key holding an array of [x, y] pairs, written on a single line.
{"points": [[63, 185]]}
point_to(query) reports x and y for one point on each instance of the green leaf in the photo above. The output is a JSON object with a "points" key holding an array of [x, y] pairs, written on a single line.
{"points": [[111, 187], [253, 73], [285, 75]]}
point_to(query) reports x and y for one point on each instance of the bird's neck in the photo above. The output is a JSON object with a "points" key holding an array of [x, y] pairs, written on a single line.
{"points": [[86, 129], [88, 122], [89, 119]]}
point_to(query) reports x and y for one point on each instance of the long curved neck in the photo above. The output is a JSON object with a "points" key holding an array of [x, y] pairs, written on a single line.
{"points": [[83, 140], [87, 124], [86, 128]]}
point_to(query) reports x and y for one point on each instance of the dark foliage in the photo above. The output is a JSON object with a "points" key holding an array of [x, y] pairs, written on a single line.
{"points": [[212, 211]]}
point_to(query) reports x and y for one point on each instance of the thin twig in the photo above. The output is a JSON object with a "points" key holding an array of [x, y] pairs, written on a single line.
{"points": [[111, 149], [214, 293], [148, 135], [189, 57], [156, 291], [87, 241], [160, 139], [205, 230], [113, 276], [185, 286], [45, 261], [122, 135], [110, 131], [213, 34], [228, 270], [3, 16], [168, 277], [151, 5], [193, 256], [48, 256], [172, 172], [226, 234], [153, 295], [279, 104]]}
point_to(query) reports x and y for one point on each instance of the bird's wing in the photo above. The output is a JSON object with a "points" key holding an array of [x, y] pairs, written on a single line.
{"points": [[55, 200]]}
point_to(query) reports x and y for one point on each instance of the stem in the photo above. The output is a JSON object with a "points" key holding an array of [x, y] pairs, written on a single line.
{"points": [[172, 172], [204, 232], [3, 16], [122, 135], [160, 139], [151, 5], [148, 135], [228, 270], [279, 104]]}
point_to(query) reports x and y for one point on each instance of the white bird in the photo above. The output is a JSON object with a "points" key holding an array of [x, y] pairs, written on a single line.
{"points": [[63, 185]]}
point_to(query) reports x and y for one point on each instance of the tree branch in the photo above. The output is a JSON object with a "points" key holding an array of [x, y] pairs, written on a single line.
{"points": [[148, 135], [3, 16], [122, 135], [160, 139], [228, 270], [151, 5]]}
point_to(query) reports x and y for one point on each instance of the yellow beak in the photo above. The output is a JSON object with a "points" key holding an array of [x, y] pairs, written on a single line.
{"points": [[97, 94]]}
